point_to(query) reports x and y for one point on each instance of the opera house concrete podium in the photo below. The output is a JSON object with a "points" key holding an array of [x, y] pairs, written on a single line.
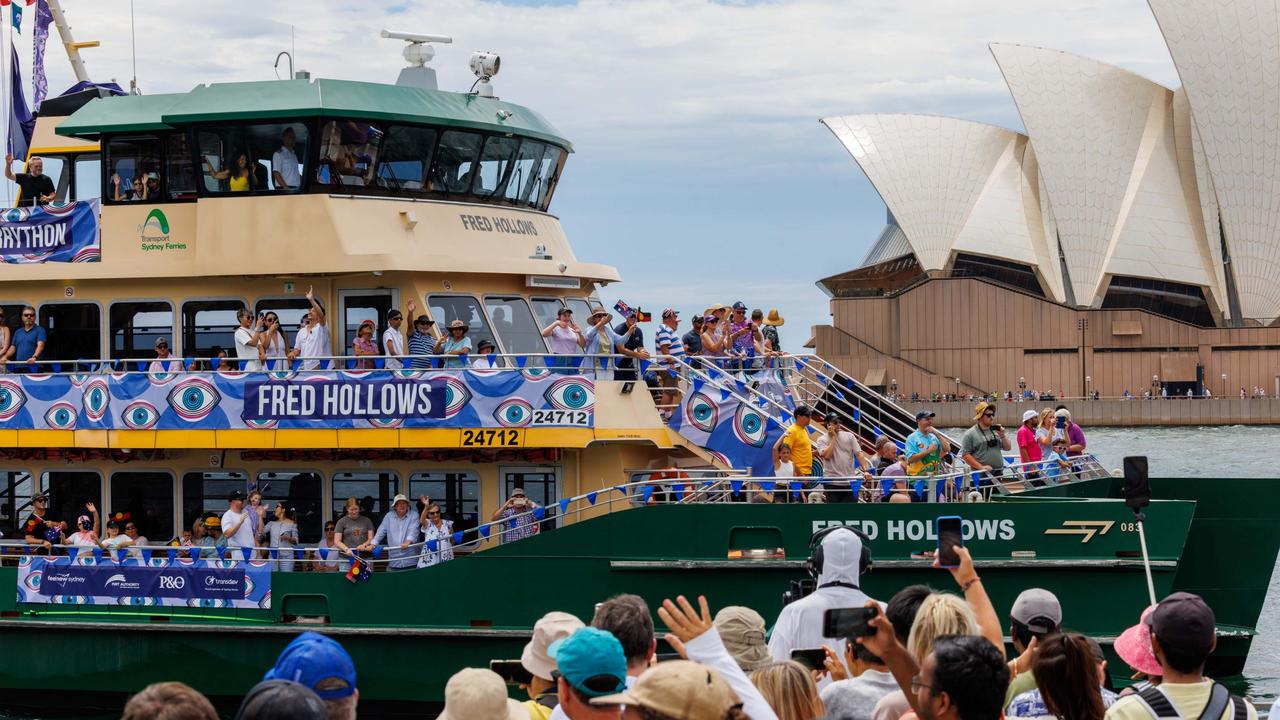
{"points": [[1129, 240]]}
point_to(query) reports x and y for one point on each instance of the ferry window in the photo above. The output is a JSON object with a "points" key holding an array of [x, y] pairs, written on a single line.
{"points": [[73, 331], [15, 500], [217, 151], [147, 498], [525, 174], [130, 162], [205, 494], [447, 308], [88, 177], [55, 167], [406, 157], [69, 490], [373, 490], [179, 175], [348, 153], [136, 326], [455, 162], [581, 311], [359, 306], [513, 322], [300, 491], [548, 173], [457, 493], [207, 324], [548, 310], [278, 149], [495, 166], [289, 310]]}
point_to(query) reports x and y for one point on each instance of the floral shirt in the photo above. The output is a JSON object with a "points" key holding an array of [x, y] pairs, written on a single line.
{"points": [[770, 333], [364, 345], [442, 535], [743, 344]]}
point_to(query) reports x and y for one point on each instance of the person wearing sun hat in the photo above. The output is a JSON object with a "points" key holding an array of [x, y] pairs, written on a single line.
{"points": [[537, 660], [590, 663], [982, 445], [455, 344], [400, 529], [1134, 648], [742, 631], [680, 690], [479, 693]]}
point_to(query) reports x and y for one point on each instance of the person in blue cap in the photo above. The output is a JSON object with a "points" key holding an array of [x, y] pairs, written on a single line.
{"points": [[321, 664], [590, 663]]}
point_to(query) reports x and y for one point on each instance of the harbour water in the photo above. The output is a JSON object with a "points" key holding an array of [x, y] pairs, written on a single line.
{"points": [[1218, 452]]}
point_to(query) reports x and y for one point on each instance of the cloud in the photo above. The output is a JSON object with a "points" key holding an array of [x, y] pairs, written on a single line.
{"points": [[695, 122]]}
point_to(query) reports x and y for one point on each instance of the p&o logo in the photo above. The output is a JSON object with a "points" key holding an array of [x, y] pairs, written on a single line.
{"points": [[172, 582]]}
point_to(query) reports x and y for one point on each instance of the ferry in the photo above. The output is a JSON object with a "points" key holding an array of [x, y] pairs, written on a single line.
{"points": [[428, 202]]}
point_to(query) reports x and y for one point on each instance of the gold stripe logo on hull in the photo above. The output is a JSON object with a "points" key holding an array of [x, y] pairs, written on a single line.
{"points": [[1087, 529]]}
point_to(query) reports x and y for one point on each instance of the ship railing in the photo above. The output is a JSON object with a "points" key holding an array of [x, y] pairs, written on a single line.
{"points": [[822, 385], [645, 487]]}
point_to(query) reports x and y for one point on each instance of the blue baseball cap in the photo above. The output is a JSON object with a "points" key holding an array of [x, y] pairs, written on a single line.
{"points": [[317, 662], [592, 661]]}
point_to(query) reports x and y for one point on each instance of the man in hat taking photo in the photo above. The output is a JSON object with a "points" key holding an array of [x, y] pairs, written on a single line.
{"points": [[981, 446]]}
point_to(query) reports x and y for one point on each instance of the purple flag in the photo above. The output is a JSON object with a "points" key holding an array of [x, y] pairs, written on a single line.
{"points": [[21, 122], [40, 85]]}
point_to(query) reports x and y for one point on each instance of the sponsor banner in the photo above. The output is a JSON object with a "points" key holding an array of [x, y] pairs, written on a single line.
{"points": [[741, 433], [51, 233], [297, 400], [182, 582]]}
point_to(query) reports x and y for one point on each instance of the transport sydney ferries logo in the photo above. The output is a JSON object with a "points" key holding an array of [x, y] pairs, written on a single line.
{"points": [[154, 233]]}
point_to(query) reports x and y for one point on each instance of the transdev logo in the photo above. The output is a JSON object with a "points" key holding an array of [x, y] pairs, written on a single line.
{"points": [[155, 227]]}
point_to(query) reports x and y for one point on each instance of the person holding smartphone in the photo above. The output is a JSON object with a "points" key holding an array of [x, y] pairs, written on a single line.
{"points": [[925, 446], [517, 511]]}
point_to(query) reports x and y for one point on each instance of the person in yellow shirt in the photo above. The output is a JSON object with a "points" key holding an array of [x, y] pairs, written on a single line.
{"points": [[797, 439]]}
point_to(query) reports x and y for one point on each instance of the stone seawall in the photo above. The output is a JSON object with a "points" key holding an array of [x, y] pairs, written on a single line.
{"points": [[1121, 413]]}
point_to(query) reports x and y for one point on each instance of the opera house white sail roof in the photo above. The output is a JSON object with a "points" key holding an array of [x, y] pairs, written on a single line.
{"points": [[1119, 182]]}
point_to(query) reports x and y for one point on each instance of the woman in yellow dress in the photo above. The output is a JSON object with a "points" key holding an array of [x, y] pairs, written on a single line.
{"points": [[237, 174]]}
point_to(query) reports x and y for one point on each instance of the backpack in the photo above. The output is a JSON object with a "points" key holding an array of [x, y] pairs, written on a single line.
{"points": [[1159, 705]]}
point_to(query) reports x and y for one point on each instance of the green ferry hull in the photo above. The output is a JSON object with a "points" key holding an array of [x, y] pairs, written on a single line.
{"points": [[409, 631]]}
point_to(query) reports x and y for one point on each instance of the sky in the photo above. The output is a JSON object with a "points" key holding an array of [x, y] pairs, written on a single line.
{"points": [[700, 170]]}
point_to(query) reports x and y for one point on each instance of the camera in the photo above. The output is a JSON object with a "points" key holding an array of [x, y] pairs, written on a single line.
{"points": [[799, 589]]}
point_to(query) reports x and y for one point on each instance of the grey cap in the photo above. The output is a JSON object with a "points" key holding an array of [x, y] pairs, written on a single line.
{"points": [[1038, 609], [742, 630]]}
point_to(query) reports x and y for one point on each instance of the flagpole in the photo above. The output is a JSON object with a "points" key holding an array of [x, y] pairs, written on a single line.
{"points": [[5, 40]]}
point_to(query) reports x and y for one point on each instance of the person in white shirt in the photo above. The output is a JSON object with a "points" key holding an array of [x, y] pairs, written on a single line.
{"points": [[284, 163], [236, 526], [313, 338], [485, 359], [163, 363], [247, 342], [393, 340]]}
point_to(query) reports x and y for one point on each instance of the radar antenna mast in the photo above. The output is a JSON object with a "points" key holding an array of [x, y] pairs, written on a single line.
{"points": [[418, 53]]}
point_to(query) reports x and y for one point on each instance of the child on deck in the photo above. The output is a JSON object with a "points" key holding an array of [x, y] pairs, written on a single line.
{"points": [[1057, 463]]}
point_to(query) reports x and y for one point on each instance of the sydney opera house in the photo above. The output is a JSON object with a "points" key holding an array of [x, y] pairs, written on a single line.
{"points": [[1128, 240]]}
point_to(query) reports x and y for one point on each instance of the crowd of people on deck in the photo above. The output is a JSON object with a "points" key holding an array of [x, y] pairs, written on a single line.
{"points": [[1158, 391], [926, 654]]}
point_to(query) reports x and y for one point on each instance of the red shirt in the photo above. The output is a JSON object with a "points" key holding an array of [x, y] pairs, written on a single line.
{"points": [[1028, 445]]}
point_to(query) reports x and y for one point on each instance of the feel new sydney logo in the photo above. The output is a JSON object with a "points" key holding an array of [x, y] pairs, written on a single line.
{"points": [[154, 233]]}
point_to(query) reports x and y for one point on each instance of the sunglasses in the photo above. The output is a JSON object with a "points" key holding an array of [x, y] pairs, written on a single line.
{"points": [[712, 322], [28, 314], [328, 528], [163, 345], [434, 512], [988, 414]]}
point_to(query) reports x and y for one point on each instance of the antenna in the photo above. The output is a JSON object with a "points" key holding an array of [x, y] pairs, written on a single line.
{"points": [[418, 53], [133, 50]]}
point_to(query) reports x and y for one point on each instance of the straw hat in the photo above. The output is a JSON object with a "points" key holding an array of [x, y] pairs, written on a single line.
{"points": [[717, 308], [773, 318]]}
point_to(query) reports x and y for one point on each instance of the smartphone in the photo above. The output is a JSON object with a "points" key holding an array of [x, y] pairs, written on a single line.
{"points": [[810, 658], [1061, 422], [511, 671], [950, 537], [848, 622], [664, 657]]}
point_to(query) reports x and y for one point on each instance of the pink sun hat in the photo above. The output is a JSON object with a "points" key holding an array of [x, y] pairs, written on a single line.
{"points": [[1134, 647]]}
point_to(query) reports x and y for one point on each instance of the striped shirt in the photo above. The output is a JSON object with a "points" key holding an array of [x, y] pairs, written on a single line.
{"points": [[672, 338], [420, 344]]}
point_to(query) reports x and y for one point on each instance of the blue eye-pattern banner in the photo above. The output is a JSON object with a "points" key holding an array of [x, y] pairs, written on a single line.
{"points": [[155, 579], [740, 432], [532, 397], [62, 232]]}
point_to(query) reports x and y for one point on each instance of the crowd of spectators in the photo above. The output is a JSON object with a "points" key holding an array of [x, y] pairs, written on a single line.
{"points": [[925, 655]]}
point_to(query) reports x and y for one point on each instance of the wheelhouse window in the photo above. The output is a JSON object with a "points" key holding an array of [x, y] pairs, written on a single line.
{"points": [[348, 153], [544, 182], [496, 161], [455, 165], [447, 308], [58, 171], [87, 177], [69, 491], [179, 175], [372, 490], [136, 326], [514, 324], [300, 491], [204, 494], [146, 498], [72, 330], [133, 169], [547, 311], [406, 158], [259, 158], [209, 327], [16, 490], [581, 311], [457, 493]]}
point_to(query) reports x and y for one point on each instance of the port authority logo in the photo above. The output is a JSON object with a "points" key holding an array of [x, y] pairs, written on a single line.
{"points": [[154, 233], [1085, 529], [118, 583]]}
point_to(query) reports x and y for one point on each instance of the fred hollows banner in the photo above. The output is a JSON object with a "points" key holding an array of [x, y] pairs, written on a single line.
{"points": [[182, 582], [532, 397], [51, 233]]}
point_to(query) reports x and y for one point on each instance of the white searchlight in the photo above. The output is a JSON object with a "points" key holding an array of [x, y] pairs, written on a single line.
{"points": [[484, 65]]}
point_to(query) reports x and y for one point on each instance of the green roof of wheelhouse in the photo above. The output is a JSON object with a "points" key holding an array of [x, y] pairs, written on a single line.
{"points": [[294, 99]]}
